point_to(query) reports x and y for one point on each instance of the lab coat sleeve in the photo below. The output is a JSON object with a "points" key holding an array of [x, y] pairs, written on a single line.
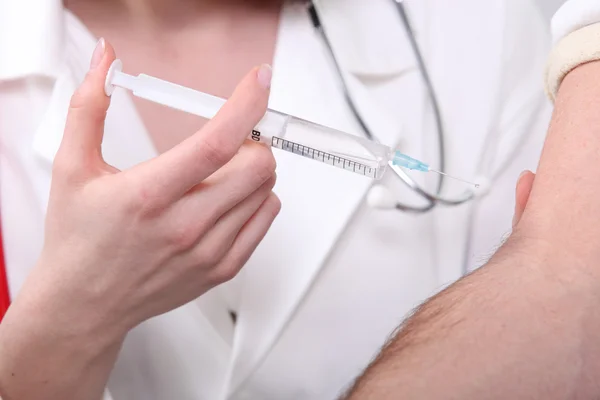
{"points": [[576, 37]]}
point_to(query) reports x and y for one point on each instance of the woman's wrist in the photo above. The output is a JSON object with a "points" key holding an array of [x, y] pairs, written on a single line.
{"points": [[72, 308], [47, 337]]}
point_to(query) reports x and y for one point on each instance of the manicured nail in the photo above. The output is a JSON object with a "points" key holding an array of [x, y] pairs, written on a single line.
{"points": [[522, 174], [264, 76], [98, 54]]}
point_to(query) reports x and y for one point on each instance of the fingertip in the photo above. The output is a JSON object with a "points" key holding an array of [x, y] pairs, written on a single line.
{"points": [[264, 75], [275, 204], [523, 174], [522, 192], [110, 56], [90, 92], [257, 84], [521, 180], [242, 111], [102, 58], [89, 104], [98, 53]]}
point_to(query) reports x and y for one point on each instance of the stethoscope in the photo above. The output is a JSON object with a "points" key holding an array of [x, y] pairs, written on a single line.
{"points": [[380, 196]]}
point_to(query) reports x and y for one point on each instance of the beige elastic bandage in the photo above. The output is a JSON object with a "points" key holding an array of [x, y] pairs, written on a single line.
{"points": [[579, 47]]}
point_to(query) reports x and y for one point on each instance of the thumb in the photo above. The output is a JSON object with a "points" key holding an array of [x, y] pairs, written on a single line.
{"points": [[84, 128], [524, 185]]}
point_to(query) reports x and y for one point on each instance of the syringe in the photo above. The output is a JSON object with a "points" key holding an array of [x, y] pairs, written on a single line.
{"points": [[275, 129]]}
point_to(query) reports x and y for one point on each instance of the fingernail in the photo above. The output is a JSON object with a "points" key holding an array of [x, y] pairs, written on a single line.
{"points": [[98, 54], [522, 174], [265, 73]]}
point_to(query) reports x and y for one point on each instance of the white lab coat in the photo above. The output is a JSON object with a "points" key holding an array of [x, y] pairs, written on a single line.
{"points": [[574, 15], [333, 277]]}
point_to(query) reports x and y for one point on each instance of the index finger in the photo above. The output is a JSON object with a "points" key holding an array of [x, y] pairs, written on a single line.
{"points": [[178, 170]]}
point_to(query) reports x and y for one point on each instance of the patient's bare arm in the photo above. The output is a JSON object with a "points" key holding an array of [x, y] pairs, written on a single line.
{"points": [[527, 324]]}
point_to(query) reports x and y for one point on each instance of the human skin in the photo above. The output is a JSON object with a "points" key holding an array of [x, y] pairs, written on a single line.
{"points": [[525, 325], [124, 246]]}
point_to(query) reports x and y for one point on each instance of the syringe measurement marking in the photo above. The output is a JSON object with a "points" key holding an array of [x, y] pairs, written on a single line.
{"points": [[322, 156]]}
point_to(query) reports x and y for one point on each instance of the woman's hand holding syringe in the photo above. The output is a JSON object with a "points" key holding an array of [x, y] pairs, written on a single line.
{"points": [[130, 245]]}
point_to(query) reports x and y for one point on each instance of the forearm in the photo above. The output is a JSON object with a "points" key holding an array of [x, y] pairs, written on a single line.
{"points": [[47, 352], [525, 325]]}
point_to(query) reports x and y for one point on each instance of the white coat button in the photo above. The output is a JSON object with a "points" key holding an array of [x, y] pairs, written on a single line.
{"points": [[484, 185]]}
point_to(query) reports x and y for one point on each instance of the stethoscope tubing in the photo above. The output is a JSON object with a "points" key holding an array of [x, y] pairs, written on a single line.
{"points": [[432, 199]]}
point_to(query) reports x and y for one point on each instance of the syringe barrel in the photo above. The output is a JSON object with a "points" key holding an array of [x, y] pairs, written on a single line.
{"points": [[292, 134], [324, 144], [321, 143]]}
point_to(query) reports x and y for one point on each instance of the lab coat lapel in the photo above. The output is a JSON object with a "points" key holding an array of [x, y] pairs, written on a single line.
{"points": [[370, 44], [318, 201], [49, 133], [31, 38]]}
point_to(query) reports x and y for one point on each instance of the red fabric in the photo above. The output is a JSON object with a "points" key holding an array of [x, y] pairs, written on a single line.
{"points": [[4, 296]]}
